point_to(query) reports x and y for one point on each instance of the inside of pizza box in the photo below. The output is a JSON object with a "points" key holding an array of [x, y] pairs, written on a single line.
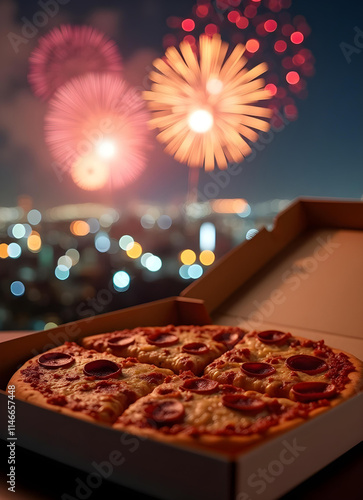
{"points": [[306, 275]]}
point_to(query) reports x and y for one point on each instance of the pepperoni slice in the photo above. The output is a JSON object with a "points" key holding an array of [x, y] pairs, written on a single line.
{"points": [[196, 348], [168, 391], [102, 368], [307, 364], [272, 337], [200, 385], [168, 411], [122, 340], [259, 370], [162, 339], [243, 403], [311, 391], [55, 360], [228, 338]]}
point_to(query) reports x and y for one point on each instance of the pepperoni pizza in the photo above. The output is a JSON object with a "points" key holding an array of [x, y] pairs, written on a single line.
{"points": [[254, 385], [178, 348], [84, 383], [281, 365]]}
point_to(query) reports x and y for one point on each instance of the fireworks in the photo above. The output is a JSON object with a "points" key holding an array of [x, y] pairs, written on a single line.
{"points": [[96, 128], [90, 173], [202, 106], [70, 51], [270, 34]]}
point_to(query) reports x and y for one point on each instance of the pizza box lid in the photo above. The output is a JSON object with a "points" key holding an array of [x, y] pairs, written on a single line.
{"points": [[305, 275]]}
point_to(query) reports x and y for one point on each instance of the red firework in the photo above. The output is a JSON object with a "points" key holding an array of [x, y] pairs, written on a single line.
{"points": [[98, 116], [70, 51]]}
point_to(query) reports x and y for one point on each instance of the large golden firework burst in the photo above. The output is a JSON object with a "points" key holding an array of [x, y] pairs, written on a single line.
{"points": [[202, 105]]}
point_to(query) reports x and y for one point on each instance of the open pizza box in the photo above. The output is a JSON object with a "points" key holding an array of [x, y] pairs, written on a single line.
{"points": [[305, 276]]}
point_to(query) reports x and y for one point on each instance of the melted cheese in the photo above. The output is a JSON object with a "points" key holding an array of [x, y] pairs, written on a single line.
{"points": [[171, 357]]}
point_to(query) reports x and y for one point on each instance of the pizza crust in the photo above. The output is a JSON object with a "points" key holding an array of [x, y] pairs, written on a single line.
{"points": [[230, 446], [26, 393], [134, 379]]}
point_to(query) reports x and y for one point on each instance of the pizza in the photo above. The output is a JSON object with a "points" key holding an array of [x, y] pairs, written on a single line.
{"points": [[282, 365], [178, 348], [200, 412], [203, 386], [84, 383]]}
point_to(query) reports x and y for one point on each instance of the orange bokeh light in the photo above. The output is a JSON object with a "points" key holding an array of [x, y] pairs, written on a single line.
{"points": [[3, 251], [34, 242], [187, 257], [207, 257], [79, 228], [135, 251], [229, 206]]}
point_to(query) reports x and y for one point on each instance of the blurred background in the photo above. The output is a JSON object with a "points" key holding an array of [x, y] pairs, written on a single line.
{"points": [[67, 253]]}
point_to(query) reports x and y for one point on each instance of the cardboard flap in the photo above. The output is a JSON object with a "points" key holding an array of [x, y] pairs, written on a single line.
{"points": [[306, 273]]}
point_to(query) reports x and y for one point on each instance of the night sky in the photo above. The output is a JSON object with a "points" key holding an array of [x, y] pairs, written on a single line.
{"points": [[320, 154]]}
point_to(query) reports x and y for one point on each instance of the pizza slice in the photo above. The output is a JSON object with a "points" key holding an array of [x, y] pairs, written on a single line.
{"points": [[84, 383], [178, 348], [201, 412], [281, 365]]}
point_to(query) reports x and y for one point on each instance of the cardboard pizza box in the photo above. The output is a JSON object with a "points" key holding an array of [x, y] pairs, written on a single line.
{"points": [[305, 276]]}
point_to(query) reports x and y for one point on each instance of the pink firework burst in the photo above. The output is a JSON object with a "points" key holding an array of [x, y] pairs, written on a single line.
{"points": [[70, 51], [99, 116]]}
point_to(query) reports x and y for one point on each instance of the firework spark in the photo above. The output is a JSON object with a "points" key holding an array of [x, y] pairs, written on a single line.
{"points": [[203, 106], [70, 51], [96, 120]]}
